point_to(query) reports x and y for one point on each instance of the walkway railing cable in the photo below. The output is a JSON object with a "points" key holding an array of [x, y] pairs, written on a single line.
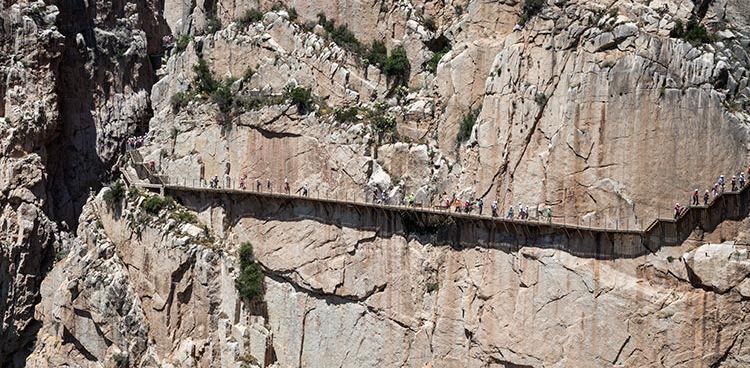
{"points": [[725, 206]]}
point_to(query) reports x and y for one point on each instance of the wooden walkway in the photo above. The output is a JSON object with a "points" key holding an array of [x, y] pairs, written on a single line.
{"points": [[661, 232]]}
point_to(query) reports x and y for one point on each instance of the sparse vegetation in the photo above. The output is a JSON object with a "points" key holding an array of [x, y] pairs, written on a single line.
{"points": [[154, 204], [204, 81], [382, 122], [300, 97], [60, 255], [121, 359], [694, 32], [249, 283], [179, 100], [182, 43], [377, 54], [185, 216], [346, 115], [134, 192], [115, 194], [530, 9], [341, 34], [223, 96], [429, 24], [540, 99], [293, 14], [466, 126], [432, 64], [431, 286], [397, 65], [249, 17], [213, 24]]}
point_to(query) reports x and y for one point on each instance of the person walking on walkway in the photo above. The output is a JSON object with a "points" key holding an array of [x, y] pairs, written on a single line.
{"points": [[242, 181], [494, 208], [268, 185], [510, 213], [286, 186], [257, 185], [742, 180], [705, 198], [695, 197], [721, 183], [677, 210], [480, 205], [734, 183], [305, 191], [549, 215], [715, 190]]}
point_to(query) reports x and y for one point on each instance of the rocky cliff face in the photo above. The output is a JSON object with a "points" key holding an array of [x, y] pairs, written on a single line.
{"points": [[339, 294], [76, 80], [607, 112]]}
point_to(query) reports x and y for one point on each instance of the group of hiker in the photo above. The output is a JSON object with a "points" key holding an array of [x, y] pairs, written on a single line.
{"points": [[736, 183], [135, 142], [470, 205]]}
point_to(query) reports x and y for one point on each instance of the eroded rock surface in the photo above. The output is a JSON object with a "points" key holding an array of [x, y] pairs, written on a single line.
{"points": [[595, 109]]}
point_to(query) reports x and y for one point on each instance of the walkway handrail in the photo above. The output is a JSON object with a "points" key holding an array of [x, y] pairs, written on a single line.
{"points": [[726, 205]]}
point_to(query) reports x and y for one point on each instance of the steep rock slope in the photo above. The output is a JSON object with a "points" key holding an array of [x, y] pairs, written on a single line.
{"points": [[340, 294], [76, 80], [592, 108]]}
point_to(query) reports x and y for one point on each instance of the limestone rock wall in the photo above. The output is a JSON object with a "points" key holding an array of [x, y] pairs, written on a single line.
{"points": [[338, 293], [76, 78], [589, 107], [29, 118]]}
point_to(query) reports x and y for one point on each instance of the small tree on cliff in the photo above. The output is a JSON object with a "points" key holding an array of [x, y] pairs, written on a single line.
{"points": [[249, 283]]}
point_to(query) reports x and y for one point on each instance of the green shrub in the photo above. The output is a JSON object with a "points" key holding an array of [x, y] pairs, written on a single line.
{"points": [[185, 216], [182, 43], [346, 115], [154, 204], [121, 359], [115, 194], [382, 122], [249, 283], [134, 192], [293, 14], [530, 9], [340, 35], [467, 125], [432, 64], [223, 96], [204, 81], [213, 24], [397, 64], [179, 100], [429, 23], [250, 16], [540, 99], [300, 97], [377, 54], [694, 32]]}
